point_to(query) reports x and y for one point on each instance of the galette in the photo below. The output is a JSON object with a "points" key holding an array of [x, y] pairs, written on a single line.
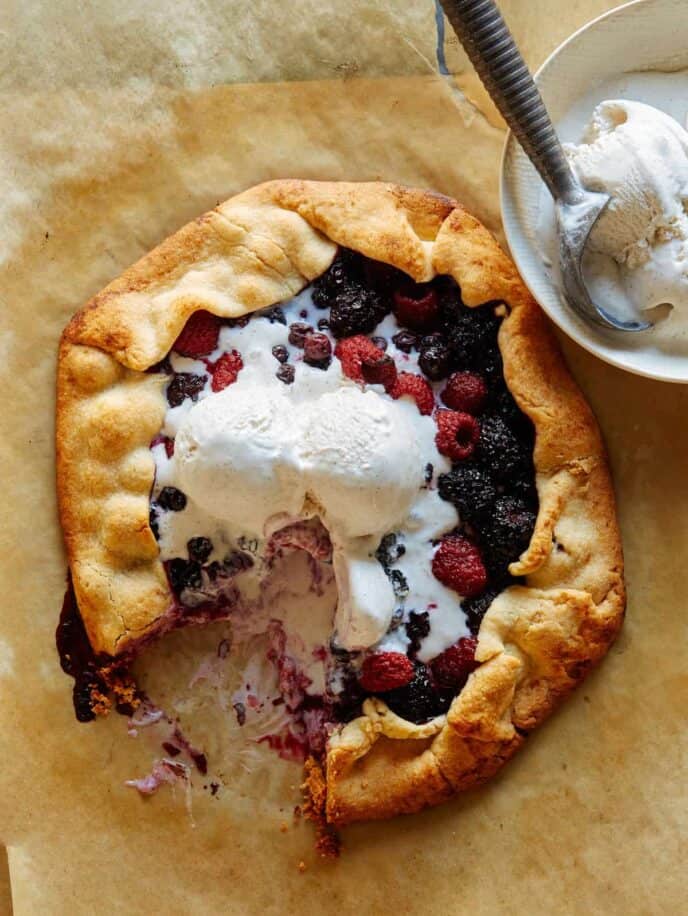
{"points": [[357, 373]]}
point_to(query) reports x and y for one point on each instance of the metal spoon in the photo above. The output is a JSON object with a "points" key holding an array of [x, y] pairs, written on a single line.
{"points": [[491, 48]]}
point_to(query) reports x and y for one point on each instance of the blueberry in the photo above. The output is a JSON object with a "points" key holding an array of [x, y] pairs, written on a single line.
{"points": [[275, 314], [280, 353], [199, 549], [285, 374], [172, 499], [184, 574], [297, 333], [405, 341], [184, 385], [317, 350], [417, 628], [435, 359]]}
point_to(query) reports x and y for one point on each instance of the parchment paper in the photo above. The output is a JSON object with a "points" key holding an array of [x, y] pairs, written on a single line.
{"points": [[121, 121]]}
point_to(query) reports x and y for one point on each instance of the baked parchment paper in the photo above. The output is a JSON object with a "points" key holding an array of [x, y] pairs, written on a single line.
{"points": [[120, 122]]}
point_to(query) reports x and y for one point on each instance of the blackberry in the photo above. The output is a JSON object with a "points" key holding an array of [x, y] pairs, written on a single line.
{"points": [[275, 314], [184, 574], [298, 331], [389, 551], [84, 685], [507, 534], [499, 449], [280, 353], [346, 268], [405, 341], [383, 277], [476, 608], [399, 584], [503, 405], [417, 628], [285, 374], [470, 489], [199, 549], [418, 700], [153, 523], [184, 385], [435, 359], [317, 350], [473, 337], [356, 310], [172, 499]]}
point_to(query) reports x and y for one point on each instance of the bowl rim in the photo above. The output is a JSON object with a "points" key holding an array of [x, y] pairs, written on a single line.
{"points": [[512, 231]]}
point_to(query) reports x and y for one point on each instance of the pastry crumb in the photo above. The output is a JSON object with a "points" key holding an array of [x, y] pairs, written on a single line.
{"points": [[302, 866]]}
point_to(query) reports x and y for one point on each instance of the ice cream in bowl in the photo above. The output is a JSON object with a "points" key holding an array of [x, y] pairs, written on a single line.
{"points": [[617, 91]]}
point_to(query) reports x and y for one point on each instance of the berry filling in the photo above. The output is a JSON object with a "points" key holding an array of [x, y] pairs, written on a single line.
{"points": [[415, 349]]}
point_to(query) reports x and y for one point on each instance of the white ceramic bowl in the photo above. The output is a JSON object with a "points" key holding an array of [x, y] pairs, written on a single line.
{"points": [[640, 36]]}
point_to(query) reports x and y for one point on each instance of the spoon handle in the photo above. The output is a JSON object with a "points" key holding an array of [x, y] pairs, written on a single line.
{"points": [[492, 50]]}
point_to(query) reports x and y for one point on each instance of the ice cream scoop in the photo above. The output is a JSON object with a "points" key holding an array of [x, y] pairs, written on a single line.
{"points": [[498, 62], [257, 459], [639, 156]]}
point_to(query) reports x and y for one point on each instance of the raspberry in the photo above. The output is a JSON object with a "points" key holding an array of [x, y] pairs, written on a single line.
{"points": [[317, 350], [435, 357], [199, 335], [167, 442], [226, 369], [184, 385], [457, 434], [465, 391], [416, 306], [351, 352], [379, 371], [458, 564], [452, 667], [383, 671], [418, 700], [417, 388], [470, 489]]}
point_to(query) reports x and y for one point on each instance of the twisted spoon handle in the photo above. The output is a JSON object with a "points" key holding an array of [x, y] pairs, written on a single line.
{"points": [[491, 48]]}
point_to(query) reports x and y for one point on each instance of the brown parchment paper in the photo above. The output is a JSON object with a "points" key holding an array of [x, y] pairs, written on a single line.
{"points": [[121, 121]]}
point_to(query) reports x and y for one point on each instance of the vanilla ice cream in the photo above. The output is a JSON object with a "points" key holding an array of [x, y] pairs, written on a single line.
{"points": [[638, 249], [256, 456], [235, 457]]}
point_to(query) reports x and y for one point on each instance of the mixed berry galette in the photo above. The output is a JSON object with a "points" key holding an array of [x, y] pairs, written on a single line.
{"points": [[355, 373]]}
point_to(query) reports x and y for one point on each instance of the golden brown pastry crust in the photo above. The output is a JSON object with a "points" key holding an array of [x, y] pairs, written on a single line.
{"points": [[536, 642]]}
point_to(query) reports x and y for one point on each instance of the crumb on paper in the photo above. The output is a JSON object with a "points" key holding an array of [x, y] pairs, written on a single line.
{"points": [[302, 866]]}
